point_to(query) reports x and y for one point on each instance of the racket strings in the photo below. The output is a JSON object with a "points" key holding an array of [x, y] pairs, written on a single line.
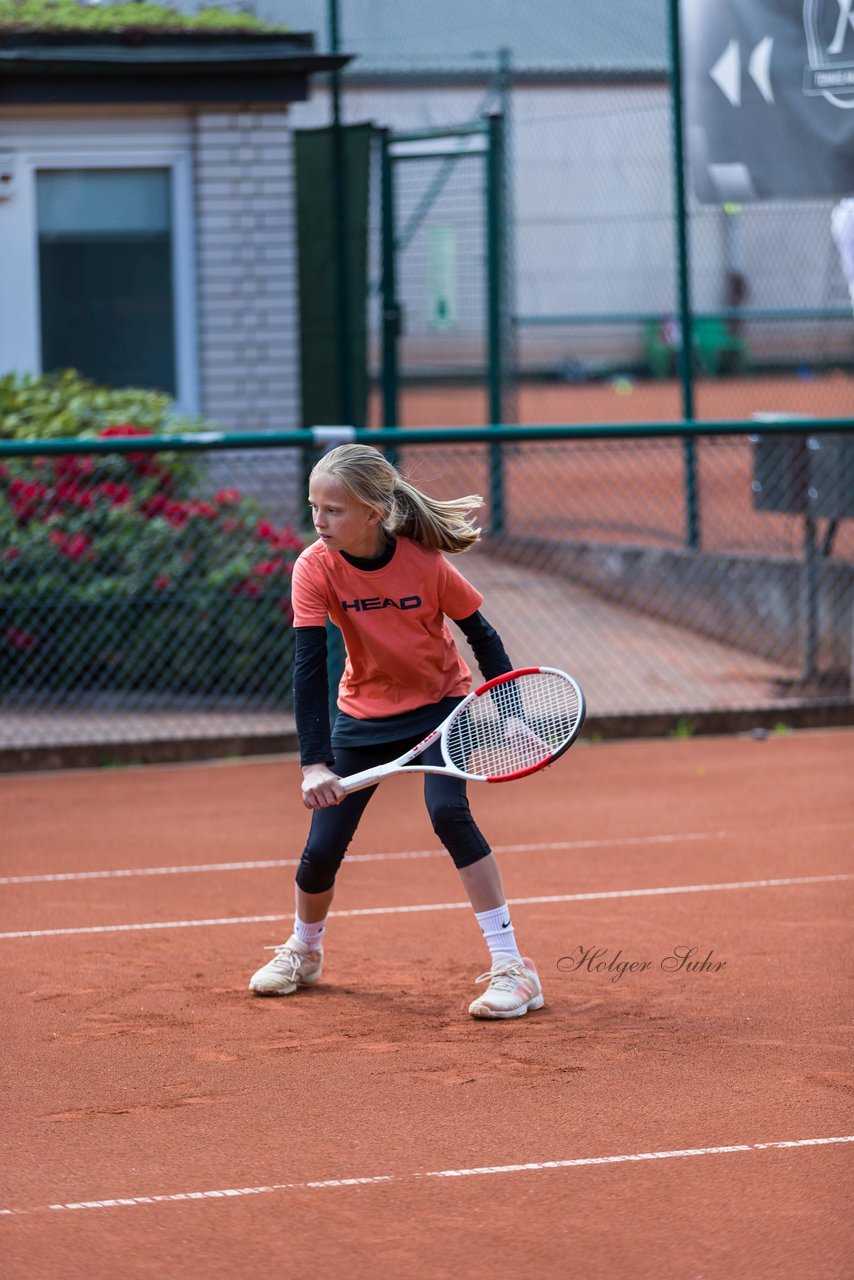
{"points": [[516, 725]]}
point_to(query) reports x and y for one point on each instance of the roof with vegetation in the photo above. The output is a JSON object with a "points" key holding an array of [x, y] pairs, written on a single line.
{"points": [[55, 52], [57, 16], [396, 38]]}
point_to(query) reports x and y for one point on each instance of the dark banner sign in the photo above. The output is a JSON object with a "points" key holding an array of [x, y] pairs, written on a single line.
{"points": [[769, 98]]}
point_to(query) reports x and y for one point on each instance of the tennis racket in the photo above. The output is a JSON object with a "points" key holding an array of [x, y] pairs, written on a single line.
{"points": [[509, 727]]}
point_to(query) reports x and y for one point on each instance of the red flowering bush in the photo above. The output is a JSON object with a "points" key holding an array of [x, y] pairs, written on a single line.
{"points": [[122, 570]]}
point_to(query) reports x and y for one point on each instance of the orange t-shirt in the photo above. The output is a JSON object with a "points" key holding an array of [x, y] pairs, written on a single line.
{"points": [[400, 653]]}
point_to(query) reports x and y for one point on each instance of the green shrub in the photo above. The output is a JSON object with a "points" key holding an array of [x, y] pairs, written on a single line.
{"points": [[65, 404]]}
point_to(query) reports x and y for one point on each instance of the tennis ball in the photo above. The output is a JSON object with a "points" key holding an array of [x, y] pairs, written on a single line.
{"points": [[623, 386]]}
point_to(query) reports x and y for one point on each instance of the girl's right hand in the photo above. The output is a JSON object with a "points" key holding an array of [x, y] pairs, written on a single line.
{"points": [[321, 787]]}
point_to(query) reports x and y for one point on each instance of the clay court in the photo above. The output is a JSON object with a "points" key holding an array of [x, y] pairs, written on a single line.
{"points": [[647, 1122], [828, 395]]}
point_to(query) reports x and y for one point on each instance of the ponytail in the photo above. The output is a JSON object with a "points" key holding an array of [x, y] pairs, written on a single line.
{"points": [[444, 526]]}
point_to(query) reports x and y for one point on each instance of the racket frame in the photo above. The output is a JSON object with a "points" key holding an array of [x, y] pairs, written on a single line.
{"points": [[370, 777]]}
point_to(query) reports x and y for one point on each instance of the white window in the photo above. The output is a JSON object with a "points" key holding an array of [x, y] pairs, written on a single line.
{"points": [[96, 252], [106, 297]]}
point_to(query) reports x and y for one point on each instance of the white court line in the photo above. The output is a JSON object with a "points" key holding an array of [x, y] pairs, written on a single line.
{"points": [[125, 1202], [394, 856], [433, 906], [617, 842]]}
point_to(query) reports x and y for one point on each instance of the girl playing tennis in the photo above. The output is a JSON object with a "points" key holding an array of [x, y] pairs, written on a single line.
{"points": [[378, 571]]}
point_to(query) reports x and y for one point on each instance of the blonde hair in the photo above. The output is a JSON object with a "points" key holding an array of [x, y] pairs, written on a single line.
{"points": [[370, 478]]}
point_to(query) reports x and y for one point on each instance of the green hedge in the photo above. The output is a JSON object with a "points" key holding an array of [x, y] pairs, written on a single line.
{"points": [[64, 404]]}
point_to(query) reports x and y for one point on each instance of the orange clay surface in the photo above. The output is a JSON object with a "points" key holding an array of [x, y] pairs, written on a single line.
{"points": [[828, 395], [368, 1127]]}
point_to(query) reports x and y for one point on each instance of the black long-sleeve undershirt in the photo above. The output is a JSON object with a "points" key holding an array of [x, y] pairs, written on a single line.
{"points": [[311, 696], [311, 686]]}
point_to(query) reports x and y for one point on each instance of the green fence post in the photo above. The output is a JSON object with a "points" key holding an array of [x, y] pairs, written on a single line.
{"points": [[335, 649], [342, 231], [495, 308], [692, 536], [509, 359], [388, 290]]}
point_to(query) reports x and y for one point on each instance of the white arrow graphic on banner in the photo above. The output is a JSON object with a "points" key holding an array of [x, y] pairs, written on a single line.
{"points": [[759, 67], [726, 72]]}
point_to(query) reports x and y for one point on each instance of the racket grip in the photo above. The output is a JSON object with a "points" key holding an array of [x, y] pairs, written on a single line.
{"points": [[367, 778]]}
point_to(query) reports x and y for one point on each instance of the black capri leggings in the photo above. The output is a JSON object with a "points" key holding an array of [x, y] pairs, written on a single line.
{"points": [[332, 829]]}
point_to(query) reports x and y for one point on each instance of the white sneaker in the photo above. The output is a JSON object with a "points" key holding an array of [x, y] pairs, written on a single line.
{"points": [[292, 966], [514, 988]]}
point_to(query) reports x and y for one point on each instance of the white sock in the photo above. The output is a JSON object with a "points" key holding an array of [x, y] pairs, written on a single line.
{"points": [[498, 931], [310, 934]]}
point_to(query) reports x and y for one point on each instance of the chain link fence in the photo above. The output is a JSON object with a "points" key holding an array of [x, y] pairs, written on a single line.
{"points": [[597, 274], [589, 273], [145, 594], [440, 277], [594, 571], [441, 250], [771, 313]]}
